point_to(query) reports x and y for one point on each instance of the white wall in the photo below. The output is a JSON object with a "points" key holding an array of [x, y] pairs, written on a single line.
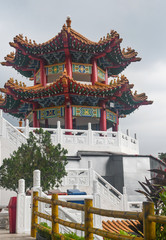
{"points": [[135, 169]]}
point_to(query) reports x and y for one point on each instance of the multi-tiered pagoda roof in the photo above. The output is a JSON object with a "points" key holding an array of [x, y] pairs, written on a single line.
{"points": [[71, 70]]}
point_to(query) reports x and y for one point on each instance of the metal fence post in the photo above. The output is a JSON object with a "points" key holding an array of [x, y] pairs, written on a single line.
{"points": [[88, 219], [148, 226], [55, 226], [34, 216]]}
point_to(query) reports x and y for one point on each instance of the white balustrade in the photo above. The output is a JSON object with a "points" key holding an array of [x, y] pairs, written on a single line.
{"points": [[84, 178], [74, 139], [101, 189]]}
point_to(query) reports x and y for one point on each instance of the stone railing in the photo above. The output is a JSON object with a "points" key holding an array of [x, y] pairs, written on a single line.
{"points": [[93, 182], [89, 140], [10, 132], [23, 217], [74, 140]]}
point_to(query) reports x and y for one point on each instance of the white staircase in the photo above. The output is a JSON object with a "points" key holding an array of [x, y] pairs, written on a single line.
{"points": [[91, 182]]}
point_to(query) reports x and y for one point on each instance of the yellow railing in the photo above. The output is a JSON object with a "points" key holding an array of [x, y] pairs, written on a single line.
{"points": [[147, 216]]}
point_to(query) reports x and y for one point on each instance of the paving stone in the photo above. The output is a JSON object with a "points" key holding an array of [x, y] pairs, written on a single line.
{"points": [[5, 235]]}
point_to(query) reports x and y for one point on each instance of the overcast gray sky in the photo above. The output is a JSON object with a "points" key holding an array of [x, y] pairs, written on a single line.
{"points": [[140, 23]]}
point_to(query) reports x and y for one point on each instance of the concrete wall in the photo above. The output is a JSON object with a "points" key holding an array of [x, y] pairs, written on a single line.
{"points": [[120, 170], [135, 169], [7, 147], [114, 172]]}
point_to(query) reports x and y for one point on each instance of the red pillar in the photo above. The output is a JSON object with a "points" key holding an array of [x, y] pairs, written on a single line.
{"points": [[68, 65], [106, 76], [103, 120], [42, 74], [34, 73], [68, 116], [115, 127], [36, 122], [94, 72], [46, 123]]}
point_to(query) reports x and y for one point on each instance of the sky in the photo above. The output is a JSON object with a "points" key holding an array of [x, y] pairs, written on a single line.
{"points": [[140, 23]]}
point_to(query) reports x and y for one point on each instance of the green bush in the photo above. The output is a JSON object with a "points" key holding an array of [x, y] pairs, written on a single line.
{"points": [[44, 233], [67, 236]]}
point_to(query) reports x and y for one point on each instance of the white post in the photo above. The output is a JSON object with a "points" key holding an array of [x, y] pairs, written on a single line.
{"points": [[119, 141], [96, 203], [75, 186], [36, 179], [90, 137], [27, 128], [20, 211], [1, 122], [1, 113], [94, 187], [37, 187], [90, 173], [59, 131], [125, 200], [21, 186]]}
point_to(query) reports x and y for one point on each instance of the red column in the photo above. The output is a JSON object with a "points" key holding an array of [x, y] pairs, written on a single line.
{"points": [[46, 123], [106, 76], [34, 73], [103, 120], [115, 127], [94, 72], [68, 65], [42, 74], [68, 116], [36, 122]]}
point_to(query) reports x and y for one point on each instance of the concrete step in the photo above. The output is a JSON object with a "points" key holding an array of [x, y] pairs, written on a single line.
{"points": [[5, 235]]}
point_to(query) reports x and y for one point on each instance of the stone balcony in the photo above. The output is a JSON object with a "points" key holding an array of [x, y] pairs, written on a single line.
{"points": [[71, 139], [89, 140]]}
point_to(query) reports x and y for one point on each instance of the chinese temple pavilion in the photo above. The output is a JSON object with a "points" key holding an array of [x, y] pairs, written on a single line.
{"points": [[70, 81]]}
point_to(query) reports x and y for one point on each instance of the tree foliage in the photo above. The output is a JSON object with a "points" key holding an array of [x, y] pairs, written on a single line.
{"points": [[37, 153], [162, 156], [155, 191]]}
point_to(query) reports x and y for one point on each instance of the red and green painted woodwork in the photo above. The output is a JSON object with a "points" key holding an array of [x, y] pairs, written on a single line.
{"points": [[92, 72], [69, 111], [70, 46], [103, 119]]}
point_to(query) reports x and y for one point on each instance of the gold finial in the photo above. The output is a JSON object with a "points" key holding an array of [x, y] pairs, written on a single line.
{"points": [[26, 39], [65, 72], [118, 80], [64, 26], [68, 22], [34, 43], [16, 82], [24, 85], [20, 84], [20, 122], [11, 80]]}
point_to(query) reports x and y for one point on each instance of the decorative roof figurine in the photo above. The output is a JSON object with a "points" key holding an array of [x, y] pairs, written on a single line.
{"points": [[70, 75]]}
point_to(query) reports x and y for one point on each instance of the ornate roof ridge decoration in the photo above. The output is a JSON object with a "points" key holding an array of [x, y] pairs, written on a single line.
{"points": [[120, 87], [68, 37], [113, 35]]}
